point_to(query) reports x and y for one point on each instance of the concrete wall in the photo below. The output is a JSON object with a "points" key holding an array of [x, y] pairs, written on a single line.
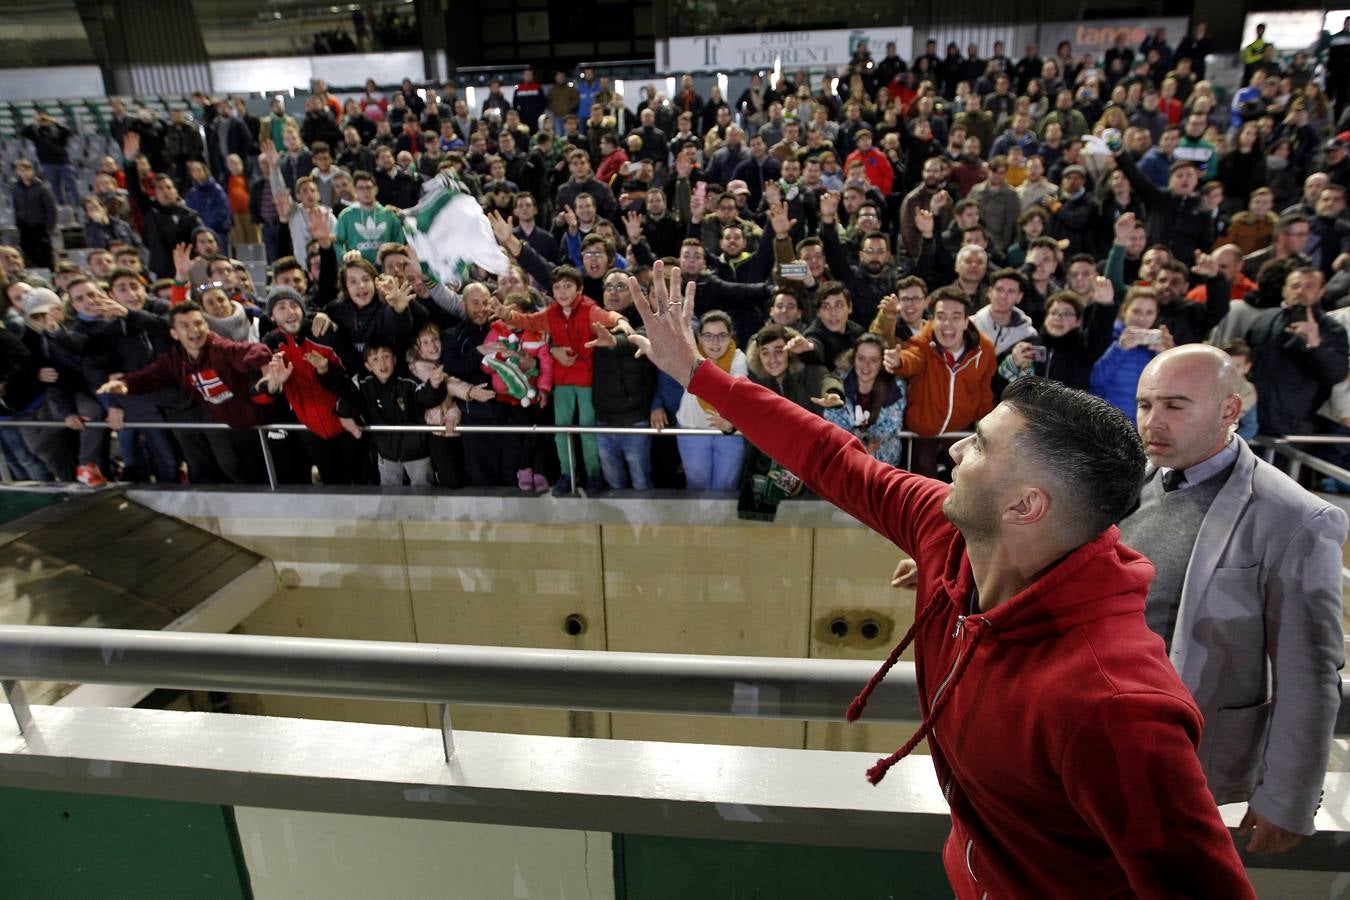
{"points": [[678, 576]]}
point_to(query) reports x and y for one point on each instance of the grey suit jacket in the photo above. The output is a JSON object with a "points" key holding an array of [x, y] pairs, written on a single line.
{"points": [[1259, 641]]}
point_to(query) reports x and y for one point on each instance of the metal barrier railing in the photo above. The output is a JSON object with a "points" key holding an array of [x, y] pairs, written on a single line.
{"points": [[262, 431], [600, 681], [595, 680]]}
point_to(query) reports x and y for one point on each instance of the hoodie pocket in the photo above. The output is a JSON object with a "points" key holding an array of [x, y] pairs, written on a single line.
{"points": [[1235, 739]]}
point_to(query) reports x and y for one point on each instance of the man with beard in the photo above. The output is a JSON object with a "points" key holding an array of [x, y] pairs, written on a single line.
{"points": [[1190, 322], [873, 277], [923, 197], [1033, 657]]}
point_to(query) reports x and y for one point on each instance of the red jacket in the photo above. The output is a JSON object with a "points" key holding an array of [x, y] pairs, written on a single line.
{"points": [[879, 170], [1062, 737], [221, 378], [313, 397], [569, 331]]}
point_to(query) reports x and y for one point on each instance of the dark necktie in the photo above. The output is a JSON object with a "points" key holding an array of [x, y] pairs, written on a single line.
{"points": [[1173, 479]]}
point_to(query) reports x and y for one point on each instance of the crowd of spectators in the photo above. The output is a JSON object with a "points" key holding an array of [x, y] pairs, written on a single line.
{"points": [[889, 245]]}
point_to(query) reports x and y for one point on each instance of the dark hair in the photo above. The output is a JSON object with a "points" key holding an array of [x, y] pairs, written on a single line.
{"points": [[1067, 297], [768, 334], [320, 147], [1010, 275], [1236, 347], [375, 347], [284, 264], [1080, 258], [953, 294], [910, 281], [117, 274], [1289, 220], [1091, 452], [830, 288], [566, 273], [183, 309]]}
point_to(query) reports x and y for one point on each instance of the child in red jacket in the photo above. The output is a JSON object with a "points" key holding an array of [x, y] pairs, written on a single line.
{"points": [[567, 322]]}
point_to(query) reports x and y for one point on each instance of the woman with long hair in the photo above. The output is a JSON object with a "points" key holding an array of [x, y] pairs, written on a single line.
{"points": [[874, 402]]}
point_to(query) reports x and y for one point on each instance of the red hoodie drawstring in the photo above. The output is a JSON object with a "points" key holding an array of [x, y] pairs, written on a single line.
{"points": [[883, 765], [855, 709]]}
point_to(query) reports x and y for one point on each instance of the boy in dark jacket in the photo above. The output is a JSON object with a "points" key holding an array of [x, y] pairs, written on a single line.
{"points": [[384, 398]]}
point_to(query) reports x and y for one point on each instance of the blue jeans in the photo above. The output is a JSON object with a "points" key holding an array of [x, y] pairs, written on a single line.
{"points": [[24, 465], [711, 463], [61, 177], [157, 456], [624, 455]]}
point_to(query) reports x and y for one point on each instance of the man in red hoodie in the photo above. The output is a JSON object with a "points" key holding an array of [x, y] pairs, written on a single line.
{"points": [[1062, 737]]}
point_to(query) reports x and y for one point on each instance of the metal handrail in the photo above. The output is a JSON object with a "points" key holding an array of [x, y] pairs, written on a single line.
{"points": [[595, 680], [263, 430]]}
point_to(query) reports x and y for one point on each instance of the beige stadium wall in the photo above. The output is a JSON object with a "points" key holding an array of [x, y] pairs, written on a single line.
{"points": [[671, 577]]}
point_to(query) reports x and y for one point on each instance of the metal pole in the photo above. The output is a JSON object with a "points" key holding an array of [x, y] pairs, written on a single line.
{"points": [[447, 733], [571, 463], [18, 704], [267, 459]]}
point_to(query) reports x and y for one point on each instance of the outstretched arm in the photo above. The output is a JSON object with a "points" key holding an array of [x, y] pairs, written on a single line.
{"points": [[903, 507]]}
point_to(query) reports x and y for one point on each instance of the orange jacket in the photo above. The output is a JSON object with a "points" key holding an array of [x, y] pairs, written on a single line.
{"points": [[946, 398]]}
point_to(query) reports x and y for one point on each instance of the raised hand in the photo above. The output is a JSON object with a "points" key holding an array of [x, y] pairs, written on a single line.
{"points": [[890, 306], [321, 324], [182, 261], [923, 220], [939, 202], [632, 224], [799, 345], [570, 219], [697, 204], [778, 218], [1205, 265], [395, 291], [1307, 330], [891, 359], [1103, 291], [319, 229], [1124, 227], [829, 206], [501, 228], [669, 341]]}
